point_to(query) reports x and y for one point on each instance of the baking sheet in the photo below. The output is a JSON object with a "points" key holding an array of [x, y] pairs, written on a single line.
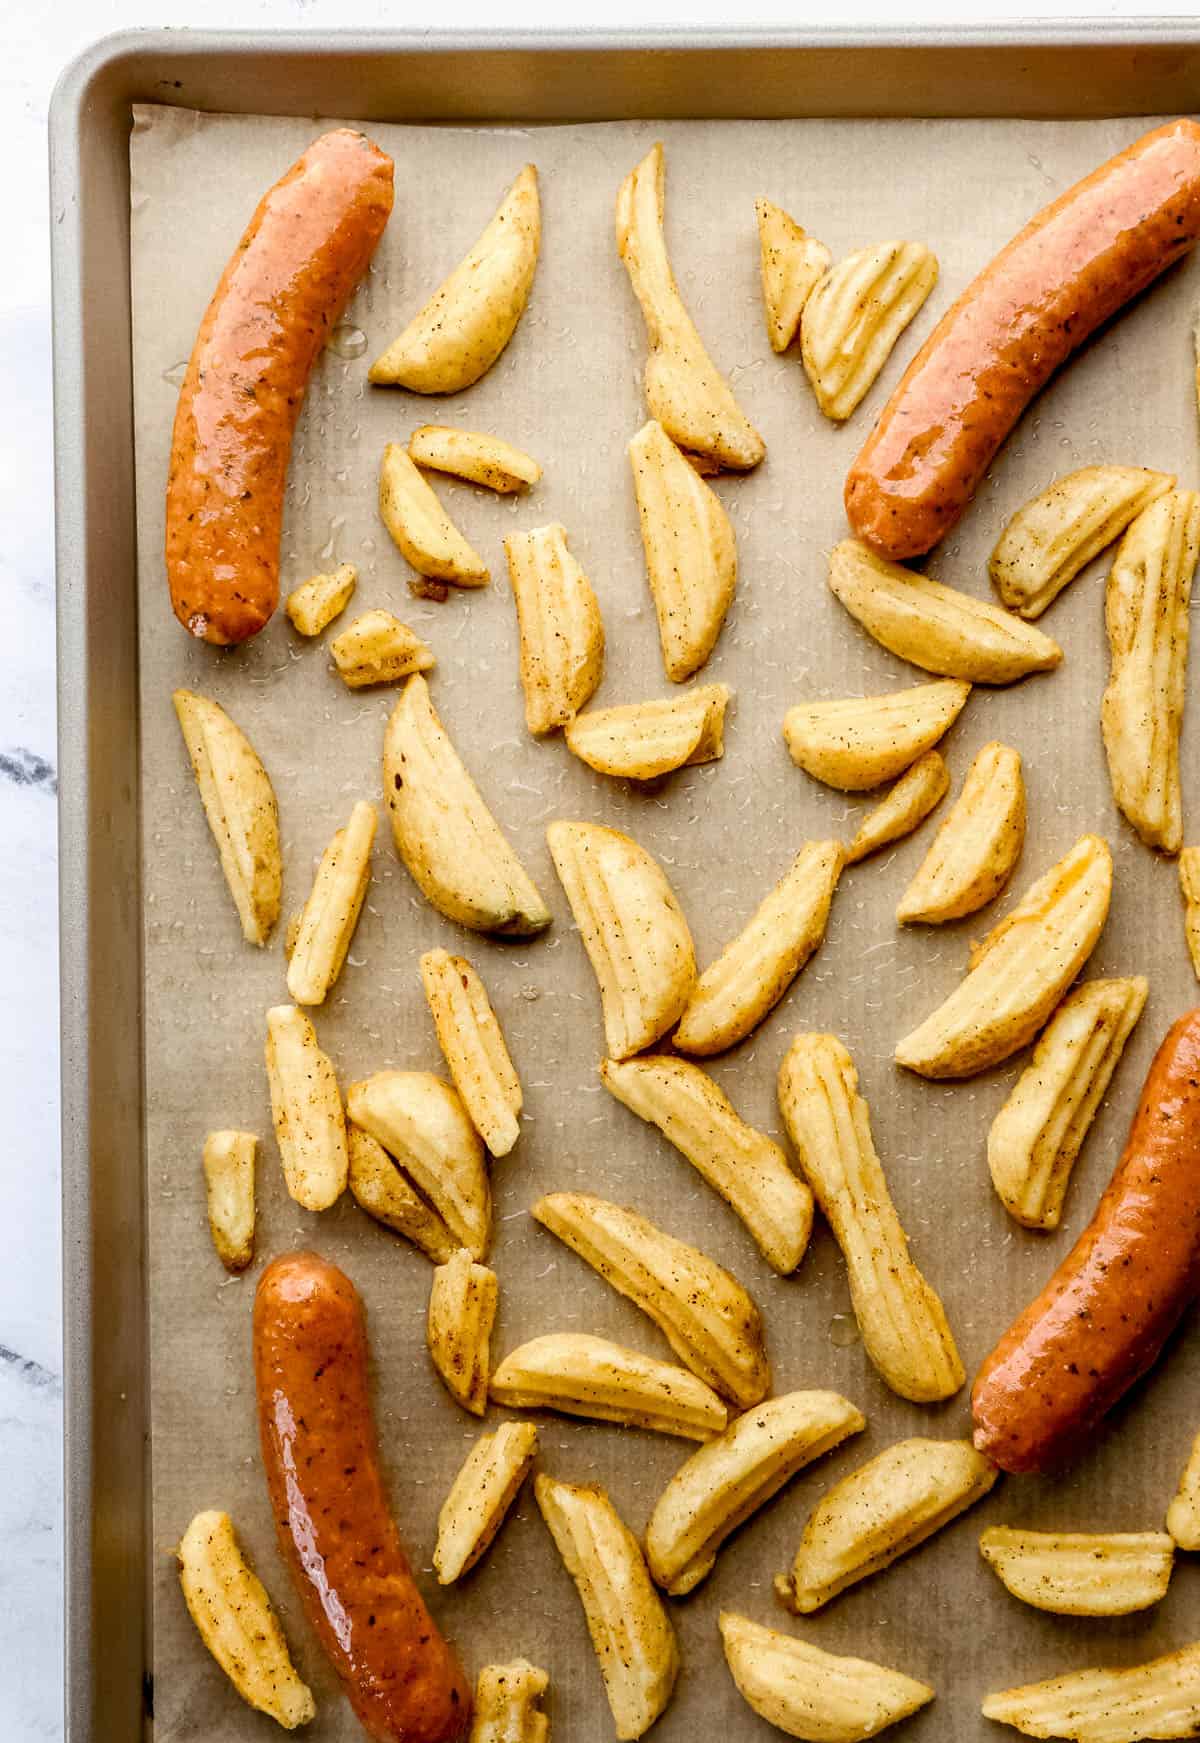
{"points": [[568, 388]]}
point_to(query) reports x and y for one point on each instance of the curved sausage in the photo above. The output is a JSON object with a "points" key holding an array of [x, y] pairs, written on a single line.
{"points": [[1101, 1321], [289, 279], [331, 1513], [1067, 272]]}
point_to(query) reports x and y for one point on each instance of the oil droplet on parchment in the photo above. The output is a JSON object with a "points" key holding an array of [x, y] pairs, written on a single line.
{"points": [[347, 341], [843, 1330]]}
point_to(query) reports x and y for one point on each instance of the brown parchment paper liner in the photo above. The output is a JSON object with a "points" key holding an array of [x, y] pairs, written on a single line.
{"points": [[568, 389]]}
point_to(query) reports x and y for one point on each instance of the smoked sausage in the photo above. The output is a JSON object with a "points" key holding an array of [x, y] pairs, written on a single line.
{"points": [[1067, 272], [1101, 1321], [331, 1513], [286, 285]]}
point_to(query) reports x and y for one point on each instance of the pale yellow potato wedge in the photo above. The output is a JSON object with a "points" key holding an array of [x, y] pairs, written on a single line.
{"points": [[473, 1046], [880, 1512], [480, 1497], [632, 928], [806, 1692], [306, 1110], [859, 742], [976, 849], [590, 1376], [1146, 615], [560, 628], [420, 528], [1078, 1573], [703, 1312], [378, 1187], [455, 851], [239, 803], [1158, 1699], [480, 459], [791, 262], [1020, 971], [229, 1182], [313, 605], [756, 968], [751, 1173], [422, 1123], [378, 649], [629, 1627], [1189, 885], [903, 1323], [919, 791], [331, 912], [690, 550], [1183, 1515], [463, 1298], [723, 1483], [1055, 535], [506, 1709], [460, 332], [685, 391], [1039, 1132], [855, 315], [644, 740]]}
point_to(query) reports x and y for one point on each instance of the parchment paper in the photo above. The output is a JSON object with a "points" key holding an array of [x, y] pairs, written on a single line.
{"points": [[568, 389]]}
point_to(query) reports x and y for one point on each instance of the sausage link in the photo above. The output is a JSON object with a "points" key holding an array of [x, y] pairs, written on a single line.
{"points": [[335, 1529], [287, 283]]}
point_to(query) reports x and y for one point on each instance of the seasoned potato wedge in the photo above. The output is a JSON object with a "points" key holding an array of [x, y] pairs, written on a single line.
{"points": [[454, 849], [976, 850], [879, 1512], [1158, 1699], [560, 628], [480, 1497], [506, 1709], [856, 314], [726, 1481], [1189, 884], [306, 1109], [379, 1188], [756, 968], [463, 1298], [1183, 1515], [229, 1180], [685, 391], [703, 1312], [860, 742], [1040, 1130], [421, 529], [378, 649], [792, 262], [643, 740], [422, 1123], [589, 1376], [313, 605], [239, 803], [918, 792], [480, 459], [331, 912], [461, 331], [630, 1629], [632, 928], [903, 1324], [473, 1046], [1077, 1573], [1051, 538]]}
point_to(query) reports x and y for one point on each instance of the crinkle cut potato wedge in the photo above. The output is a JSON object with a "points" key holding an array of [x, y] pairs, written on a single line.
{"points": [[1183, 1515], [933, 626], [903, 1323], [1189, 885], [632, 928], [1020, 971], [808, 1693], [690, 550], [855, 315], [685, 391], [722, 1484], [976, 850], [422, 1123], [506, 1709], [239, 803], [378, 649], [1146, 614], [756, 968], [306, 1109], [463, 1298], [703, 1312], [378, 1187], [629, 1627], [859, 742], [460, 332], [792, 262], [233, 1614], [331, 912], [1076, 1573], [1159, 1699], [590, 1376], [559, 624], [640, 741], [919, 791], [751, 1173], [1039, 1132], [474, 1048], [313, 605], [229, 1182], [454, 849], [480, 1497], [480, 459], [880, 1512], [420, 528]]}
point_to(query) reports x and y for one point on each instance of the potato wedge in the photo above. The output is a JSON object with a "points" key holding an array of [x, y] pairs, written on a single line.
{"points": [[455, 851], [1039, 1132], [643, 740], [229, 1180], [918, 792], [463, 1298], [1051, 538], [935, 627], [792, 262], [1189, 884], [1158, 1699], [239, 803], [473, 1047], [855, 315], [629, 1628], [690, 550], [976, 850], [860, 742], [306, 1109], [632, 928], [230, 1607], [1077, 1573], [422, 1123], [1020, 971], [480, 1497], [1183, 1515], [506, 1709], [756, 968], [379, 1188], [903, 1323], [685, 391], [751, 1173], [723, 1483], [460, 332], [480, 459], [378, 649], [331, 912], [703, 1312], [420, 528], [808, 1693], [589, 1376], [313, 605], [878, 1513], [559, 624]]}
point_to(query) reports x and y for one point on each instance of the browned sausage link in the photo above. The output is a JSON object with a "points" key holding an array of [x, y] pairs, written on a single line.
{"points": [[335, 1528], [1117, 1296], [1067, 272], [289, 279]]}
